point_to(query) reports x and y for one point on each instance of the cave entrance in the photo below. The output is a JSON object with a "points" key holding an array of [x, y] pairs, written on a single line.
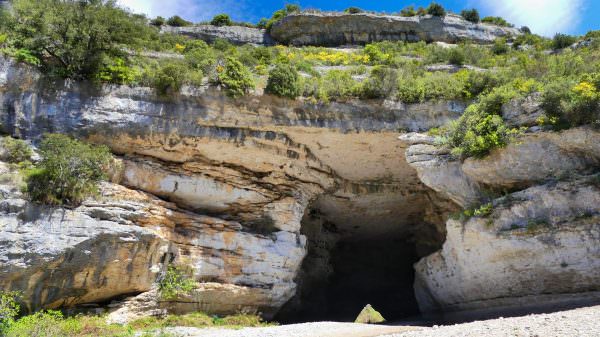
{"points": [[358, 260]]}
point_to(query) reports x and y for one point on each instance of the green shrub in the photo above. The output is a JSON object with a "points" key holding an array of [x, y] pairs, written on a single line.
{"points": [[481, 128], [201, 57], [175, 282], [170, 77], [177, 21], [430, 86], [382, 82], [158, 21], [500, 47], [456, 56], [408, 11], [479, 82], [68, 171], [570, 104], [26, 56], [117, 72], [471, 15], [436, 9], [525, 30], [9, 309], [221, 20], [496, 20], [235, 78], [353, 10], [561, 41], [16, 150], [280, 14], [283, 81], [337, 84]]}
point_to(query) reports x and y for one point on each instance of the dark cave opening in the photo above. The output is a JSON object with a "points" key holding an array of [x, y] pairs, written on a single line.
{"points": [[377, 272], [347, 268]]}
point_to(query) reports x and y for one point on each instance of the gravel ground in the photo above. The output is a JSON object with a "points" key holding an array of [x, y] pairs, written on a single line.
{"points": [[318, 329], [584, 322]]}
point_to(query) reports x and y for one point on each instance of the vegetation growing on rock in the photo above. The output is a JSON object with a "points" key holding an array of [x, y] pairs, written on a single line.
{"points": [[397, 70], [68, 171], [175, 282]]}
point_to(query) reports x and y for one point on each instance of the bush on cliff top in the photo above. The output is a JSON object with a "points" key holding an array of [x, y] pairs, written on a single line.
{"points": [[221, 20], [68, 172], [177, 21], [436, 9], [471, 15]]}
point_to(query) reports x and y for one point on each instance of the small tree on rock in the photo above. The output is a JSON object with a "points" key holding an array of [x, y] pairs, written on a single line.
{"points": [[221, 20], [436, 9]]}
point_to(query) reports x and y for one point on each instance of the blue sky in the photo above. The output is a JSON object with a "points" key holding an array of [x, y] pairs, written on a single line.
{"points": [[544, 17]]}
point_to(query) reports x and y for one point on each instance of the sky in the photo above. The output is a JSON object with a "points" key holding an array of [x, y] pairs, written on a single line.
{"points": [[544, 17]]}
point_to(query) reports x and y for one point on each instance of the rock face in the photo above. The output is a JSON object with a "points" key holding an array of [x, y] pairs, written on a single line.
{"points": [[233, 34], [119, 244], [537, 248], [337, 29], [239, 181], [272, 203]]}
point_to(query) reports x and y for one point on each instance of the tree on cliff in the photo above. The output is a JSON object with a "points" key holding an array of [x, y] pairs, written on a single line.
{"points": [[73, 37]]}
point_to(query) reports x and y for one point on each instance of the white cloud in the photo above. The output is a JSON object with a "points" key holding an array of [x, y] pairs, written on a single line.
{"points": [[545, 17], [196, 10]]}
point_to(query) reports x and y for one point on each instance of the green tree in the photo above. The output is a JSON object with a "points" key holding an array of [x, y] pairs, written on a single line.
{"points": [[382, 82], [16, 150], [158, 21], [177, 21], [496, 20], [353, 10], [68, 172], [72, 37], [284, 81], [235, 77], [561, 41], [471, 15], [408, 11], [436, 9], [9, 309], [221, 20]]}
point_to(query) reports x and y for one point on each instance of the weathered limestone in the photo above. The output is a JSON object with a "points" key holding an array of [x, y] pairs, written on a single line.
{"points": [[233, 34], [538, 247], [238, 177], [337, 29], [119, 244]]}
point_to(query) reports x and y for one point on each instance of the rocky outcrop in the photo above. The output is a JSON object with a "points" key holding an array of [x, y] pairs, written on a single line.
{"points": [[539, 247], [337, 29], [120, 243], [237, 180], [233, 34]]}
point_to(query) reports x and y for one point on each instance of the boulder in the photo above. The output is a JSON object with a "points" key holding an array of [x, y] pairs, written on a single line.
{"points": [[368, 315]]}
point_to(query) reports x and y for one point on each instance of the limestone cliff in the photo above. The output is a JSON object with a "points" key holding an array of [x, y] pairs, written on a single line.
{"points": [[246, 188], [337, 29], [281, 206]]}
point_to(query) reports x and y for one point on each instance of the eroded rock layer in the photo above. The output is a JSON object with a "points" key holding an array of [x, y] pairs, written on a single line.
{"points": [[235, 180], [338, 29]]}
